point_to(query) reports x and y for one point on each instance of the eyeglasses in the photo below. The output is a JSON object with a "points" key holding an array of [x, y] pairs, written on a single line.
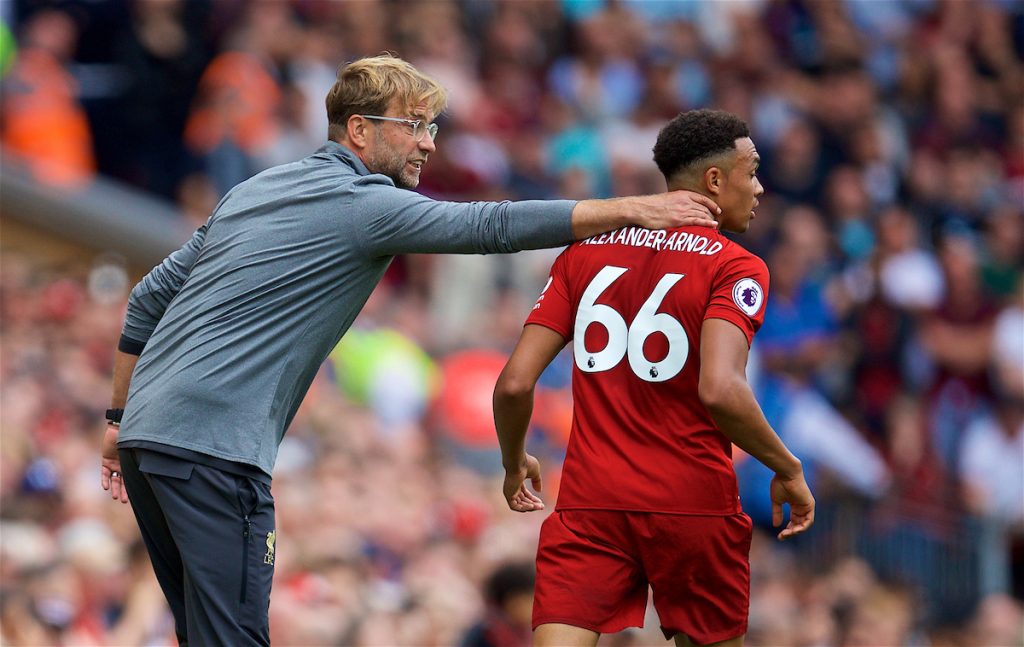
{"points": [[418, 127]]}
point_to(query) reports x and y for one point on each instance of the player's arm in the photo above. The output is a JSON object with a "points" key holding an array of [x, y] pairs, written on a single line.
{"points": [[725, 393], [513, 406]]}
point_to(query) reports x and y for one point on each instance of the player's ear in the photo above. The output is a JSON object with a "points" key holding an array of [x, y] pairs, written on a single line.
{"points": [[713, 180]]}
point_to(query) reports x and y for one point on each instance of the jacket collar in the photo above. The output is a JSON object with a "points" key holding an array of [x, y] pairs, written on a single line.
{"points": [[344, 154]]}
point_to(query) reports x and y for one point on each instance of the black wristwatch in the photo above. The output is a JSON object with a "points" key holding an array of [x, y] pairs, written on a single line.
{"points": [[114, 416]]}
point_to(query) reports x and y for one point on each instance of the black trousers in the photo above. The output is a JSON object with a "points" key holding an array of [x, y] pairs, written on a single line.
{"points": [[210, 535]]}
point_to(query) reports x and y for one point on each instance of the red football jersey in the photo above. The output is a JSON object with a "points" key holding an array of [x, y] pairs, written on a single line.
{"points": [[633, 301]]}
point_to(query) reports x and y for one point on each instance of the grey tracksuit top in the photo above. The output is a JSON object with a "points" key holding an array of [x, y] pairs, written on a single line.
{"points": [[237, 322]]}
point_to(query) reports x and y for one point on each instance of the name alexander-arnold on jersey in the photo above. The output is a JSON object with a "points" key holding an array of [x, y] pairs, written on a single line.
{"points": [[677, 241]]}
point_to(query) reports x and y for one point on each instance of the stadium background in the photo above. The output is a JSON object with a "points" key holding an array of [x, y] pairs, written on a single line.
{"points": [[892, 134]]}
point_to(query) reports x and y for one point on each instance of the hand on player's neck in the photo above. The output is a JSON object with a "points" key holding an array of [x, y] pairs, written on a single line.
{"points": [[684, 183], [703, 177]]}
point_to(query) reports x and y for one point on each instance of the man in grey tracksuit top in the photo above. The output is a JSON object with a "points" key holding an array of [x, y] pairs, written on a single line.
{"points": [[222, 340]]}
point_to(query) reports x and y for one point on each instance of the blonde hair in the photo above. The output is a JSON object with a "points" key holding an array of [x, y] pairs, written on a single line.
{"points": [[367, 87]]}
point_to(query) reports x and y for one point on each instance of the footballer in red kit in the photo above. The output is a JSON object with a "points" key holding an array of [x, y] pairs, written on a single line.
{"points": [[661, 323], [641, 440]]}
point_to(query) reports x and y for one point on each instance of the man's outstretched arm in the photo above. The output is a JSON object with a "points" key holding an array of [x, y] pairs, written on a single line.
{"points": [[660, 211], [513, 406], [727, 395], [392, 222]]}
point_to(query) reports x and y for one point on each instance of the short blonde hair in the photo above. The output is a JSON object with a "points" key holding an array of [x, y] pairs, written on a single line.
{"points": [[367, 87]]}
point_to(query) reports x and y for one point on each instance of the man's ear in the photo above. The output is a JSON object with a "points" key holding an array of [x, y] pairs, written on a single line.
{"points": [[357, 131], [713, 180]]}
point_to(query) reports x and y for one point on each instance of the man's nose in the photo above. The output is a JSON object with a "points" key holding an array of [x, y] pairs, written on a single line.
{"points": [[427, 143]]}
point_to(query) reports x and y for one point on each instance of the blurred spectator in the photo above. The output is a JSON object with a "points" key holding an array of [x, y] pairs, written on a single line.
{"points": [[311, 72], [197, 197], [880, 297], [383, 369], [508, 593], [1003, 266], [958, 335], [437, 44], [161, 54], [234, 119], [795, 348], [793, 169], [1013, 155], [883, 617], [910, 277], [600, 79], [1008, 347], [848, 210], [292, 141], [991, 471], [43, 122], [998, 621]]}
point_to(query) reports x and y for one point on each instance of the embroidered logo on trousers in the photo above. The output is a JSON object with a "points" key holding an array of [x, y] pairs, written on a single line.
{"points": [[269, 557]]}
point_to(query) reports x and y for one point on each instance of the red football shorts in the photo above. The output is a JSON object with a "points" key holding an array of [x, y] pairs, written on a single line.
{"points": [[594, 566]]}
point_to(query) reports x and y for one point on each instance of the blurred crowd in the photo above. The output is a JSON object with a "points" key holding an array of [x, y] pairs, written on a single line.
{"points": [[891, 359]]}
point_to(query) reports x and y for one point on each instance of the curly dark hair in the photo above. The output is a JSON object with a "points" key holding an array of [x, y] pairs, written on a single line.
{"points": [[696, 135]]}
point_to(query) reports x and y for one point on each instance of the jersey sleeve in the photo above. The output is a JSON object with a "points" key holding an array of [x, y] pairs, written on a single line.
{"points": [[739, 293], [554, 306]]}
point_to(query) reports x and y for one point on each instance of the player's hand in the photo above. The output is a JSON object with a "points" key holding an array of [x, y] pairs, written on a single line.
{"points": [[110, 466], [795, 492], [519, 498], [677, 209]]}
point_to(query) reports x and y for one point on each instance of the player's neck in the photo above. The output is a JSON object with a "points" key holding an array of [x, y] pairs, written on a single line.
{"points": [[683, 185], [680, 185]]}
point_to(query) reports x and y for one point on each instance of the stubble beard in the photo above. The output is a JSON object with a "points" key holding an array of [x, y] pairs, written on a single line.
{"points": [[392, 164]]}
